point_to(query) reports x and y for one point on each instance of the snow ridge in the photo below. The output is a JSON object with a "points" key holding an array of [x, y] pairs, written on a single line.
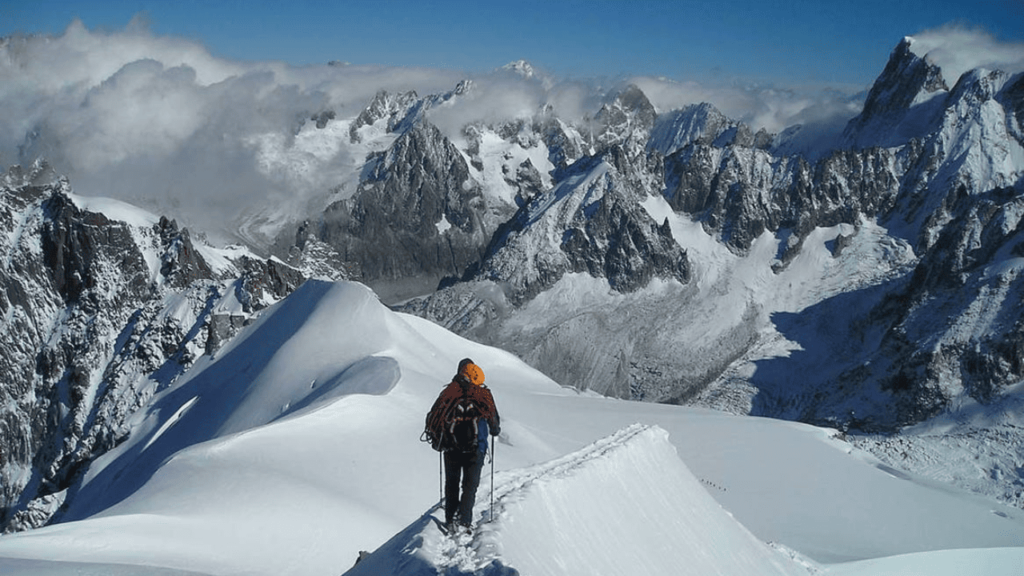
{"points": [[545, 521]]}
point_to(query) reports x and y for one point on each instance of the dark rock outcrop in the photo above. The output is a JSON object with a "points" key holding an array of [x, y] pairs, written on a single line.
{"points": [[416, 213], [98, 316]]}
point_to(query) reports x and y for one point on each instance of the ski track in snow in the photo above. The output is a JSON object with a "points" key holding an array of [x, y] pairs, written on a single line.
{"points": [[512, 486], [517, 495], [480, 553]]}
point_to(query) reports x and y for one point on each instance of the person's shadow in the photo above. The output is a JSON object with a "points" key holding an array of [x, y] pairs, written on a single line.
{"points": [[399, 555]]}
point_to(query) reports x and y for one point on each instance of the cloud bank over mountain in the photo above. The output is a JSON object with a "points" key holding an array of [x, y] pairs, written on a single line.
{"points": [[957, 49], [161, 122]]}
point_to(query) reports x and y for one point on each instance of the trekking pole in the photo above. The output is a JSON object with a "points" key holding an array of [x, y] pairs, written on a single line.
{"points": [[492, 479], [440, 475]]}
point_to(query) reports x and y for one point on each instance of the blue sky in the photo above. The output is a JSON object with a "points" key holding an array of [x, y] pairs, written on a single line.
{"points": [[793, 42]]}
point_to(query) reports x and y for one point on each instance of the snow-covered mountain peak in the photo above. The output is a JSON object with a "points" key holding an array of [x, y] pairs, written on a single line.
{"points": [[626, 121], [979, 85], [403, 111], [105, 304], [520, 67], [903, 102], [590, 222], [463, 87], [384, 106], [631, 100], [39, 173], [527, 72], [906, 80], [701, 123]]}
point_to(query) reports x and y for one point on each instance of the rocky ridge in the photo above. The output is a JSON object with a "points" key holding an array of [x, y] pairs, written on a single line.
{"points": [[946, 184]]}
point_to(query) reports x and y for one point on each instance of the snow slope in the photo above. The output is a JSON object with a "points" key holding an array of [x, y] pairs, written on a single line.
{"points": [[562, 517], [294, 448]]}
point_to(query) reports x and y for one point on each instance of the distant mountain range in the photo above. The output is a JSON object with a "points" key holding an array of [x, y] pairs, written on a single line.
{"points": [[664, 256]]}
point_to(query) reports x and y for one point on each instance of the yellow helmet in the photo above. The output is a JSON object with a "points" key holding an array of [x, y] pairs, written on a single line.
{"points": [[473, 373]]}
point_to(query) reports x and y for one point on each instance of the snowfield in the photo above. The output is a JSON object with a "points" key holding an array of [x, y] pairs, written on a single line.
{"points": [[295, 448]]}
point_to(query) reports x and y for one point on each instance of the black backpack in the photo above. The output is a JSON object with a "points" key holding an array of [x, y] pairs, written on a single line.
{"points": [[454, 427], [464, 425]]}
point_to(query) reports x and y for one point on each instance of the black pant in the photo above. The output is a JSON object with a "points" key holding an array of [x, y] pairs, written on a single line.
{"points": [[467, 465]]}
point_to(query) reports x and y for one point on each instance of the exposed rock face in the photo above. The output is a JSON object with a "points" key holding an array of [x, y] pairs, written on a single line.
{"points": [[527, 181], [620, 243], [591, 222], [934, 166], [99, 315], [702, 124], [603, 230], [904, 102], [948, 332], [1012, 97], [626, 122], [740, 192], [963, 301], [563, 147], [417, 213], [394, 108]]}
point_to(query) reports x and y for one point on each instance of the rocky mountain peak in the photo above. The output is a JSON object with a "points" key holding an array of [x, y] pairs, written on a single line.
{"points": [[603, 231], [629, 104], [903, 103], [703, 124], [906, 80], [520, 67], [402, 111], [416, 193], [394, 107], [39, 174], [99, 314], [627, 120], [73, 239], [977, 86], [181, 263]]}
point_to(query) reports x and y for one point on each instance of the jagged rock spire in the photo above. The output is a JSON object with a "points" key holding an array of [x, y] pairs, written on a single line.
{"points": [[902, 103]]}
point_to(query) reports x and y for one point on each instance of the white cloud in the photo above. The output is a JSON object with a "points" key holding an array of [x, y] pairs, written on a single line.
{"points": [[957, 49], [770, 107], [489, 100], [160, 122]]}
